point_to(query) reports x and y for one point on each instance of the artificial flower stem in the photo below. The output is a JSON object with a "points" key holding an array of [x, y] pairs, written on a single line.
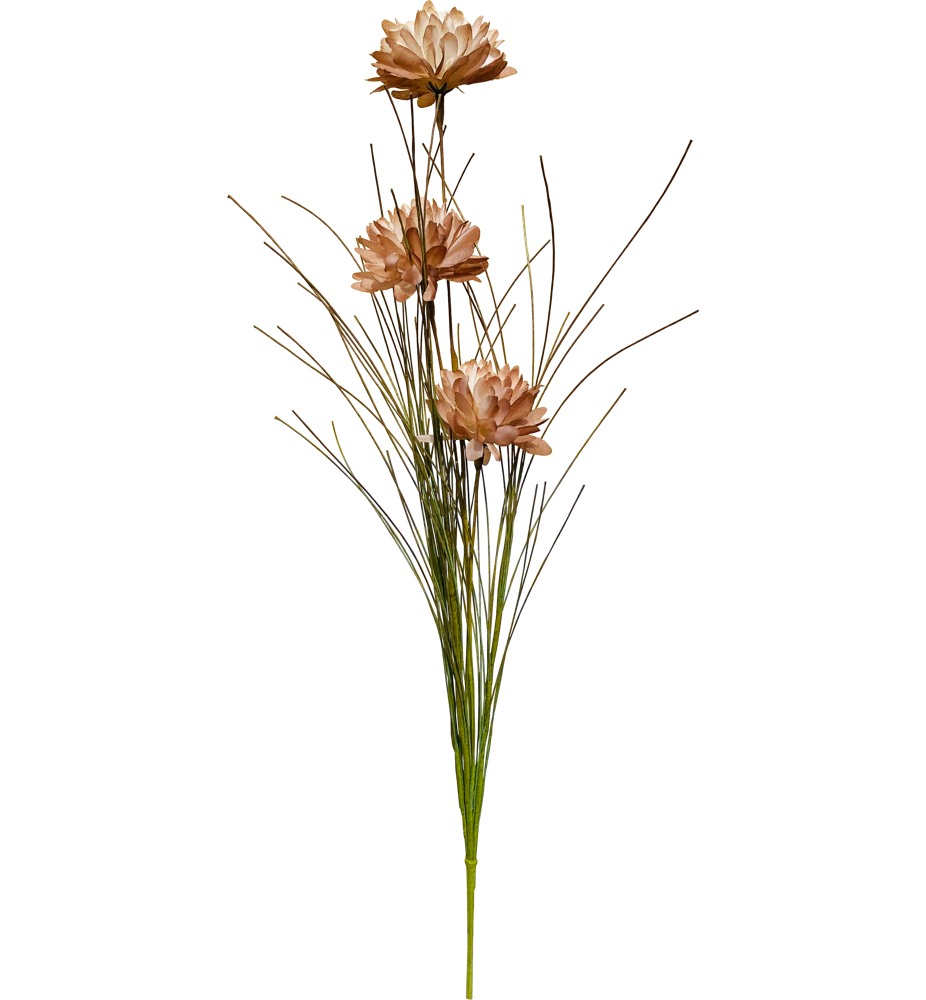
{"points": [[470, 906]]}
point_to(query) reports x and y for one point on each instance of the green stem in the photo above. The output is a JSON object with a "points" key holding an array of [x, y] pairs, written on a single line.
{"points": [[470, 904]]}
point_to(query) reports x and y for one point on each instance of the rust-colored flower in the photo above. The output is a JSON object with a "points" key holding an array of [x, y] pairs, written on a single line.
{"points": [[486, 410], [435, 53], [392, 252]]}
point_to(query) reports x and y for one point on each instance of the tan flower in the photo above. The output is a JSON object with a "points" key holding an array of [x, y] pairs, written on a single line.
{"points": [[437, 52], [487, 410], [392, 253]]}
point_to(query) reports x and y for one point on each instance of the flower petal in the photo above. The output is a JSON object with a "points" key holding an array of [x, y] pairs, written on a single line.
{"points": [[463, 410], [485, 429], [534, 445], [519, 409], [462, 247], [507, 434], [474, 450]]}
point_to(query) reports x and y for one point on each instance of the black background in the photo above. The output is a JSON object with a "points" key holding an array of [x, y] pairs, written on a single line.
{"points": [[340, 766]]}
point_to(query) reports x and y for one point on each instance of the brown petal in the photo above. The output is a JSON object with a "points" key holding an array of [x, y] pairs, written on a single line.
{"points": [[443, 394], [421, 22], [523, 388], [507, 434], [373, 256], [519, 409], [482, 391], [462, 388], [455, 17], [444, 410], [485, 429], [465, 412], [474, 450], [392, 72], [450, 48], [467, 271], [464, 33], [430, 43], [534, 445], [402, 37], [486, 409], [465, 70], [457, 427], [504, 405], [456, 276], [403, 292], [462, 247]]}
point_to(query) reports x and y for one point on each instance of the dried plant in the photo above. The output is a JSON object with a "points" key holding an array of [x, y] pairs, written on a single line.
{"points": [[457, 441]]}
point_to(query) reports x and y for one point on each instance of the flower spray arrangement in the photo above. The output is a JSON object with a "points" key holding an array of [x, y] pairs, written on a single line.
{"points": [[458, 438]]}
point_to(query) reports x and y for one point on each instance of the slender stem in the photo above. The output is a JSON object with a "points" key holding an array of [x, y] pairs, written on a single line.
{"points": [[470, 908]]}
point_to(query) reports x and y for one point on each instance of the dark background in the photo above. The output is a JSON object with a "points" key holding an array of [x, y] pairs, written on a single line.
{"points": [[340, 771]]}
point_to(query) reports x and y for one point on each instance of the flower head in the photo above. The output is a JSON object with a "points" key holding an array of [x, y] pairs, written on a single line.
{"points": [[435, 53], [486, 410], [392, 252]]}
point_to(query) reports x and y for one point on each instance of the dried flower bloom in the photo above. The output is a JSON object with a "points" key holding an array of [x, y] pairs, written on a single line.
{"points": [[435, 53], [487, 410], [392, 253]]}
